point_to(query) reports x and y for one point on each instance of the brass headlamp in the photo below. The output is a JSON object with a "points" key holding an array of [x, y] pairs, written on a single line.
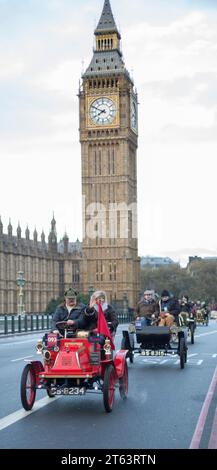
{"points": [[39, 346]]}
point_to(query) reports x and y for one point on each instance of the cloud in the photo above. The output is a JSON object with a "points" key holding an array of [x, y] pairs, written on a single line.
{"points": [[172, 48], [180, 48], [190, 133], [200, 88]]}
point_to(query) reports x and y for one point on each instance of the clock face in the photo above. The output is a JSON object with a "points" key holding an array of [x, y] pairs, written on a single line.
{"points": [[103, 111], [134, 115]]}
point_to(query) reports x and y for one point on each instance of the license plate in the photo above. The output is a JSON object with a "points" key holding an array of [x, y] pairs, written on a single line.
{"points": [[149, 352], [68, 391]]}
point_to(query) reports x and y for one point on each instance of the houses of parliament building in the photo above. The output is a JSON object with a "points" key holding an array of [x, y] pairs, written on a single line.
{"points": [[108, 110]]}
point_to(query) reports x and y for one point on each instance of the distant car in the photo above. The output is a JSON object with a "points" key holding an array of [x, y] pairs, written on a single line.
{"points": [[213, 314]]}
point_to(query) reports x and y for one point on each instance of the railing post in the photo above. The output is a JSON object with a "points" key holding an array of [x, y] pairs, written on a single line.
{"points": [[12, 324], [48, 322], [25, 323], [32, 323], [6, 325], [19, 324], [37, 322], [42, 322]]}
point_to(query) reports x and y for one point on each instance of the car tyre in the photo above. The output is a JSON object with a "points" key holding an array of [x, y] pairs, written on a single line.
{"points": [[28, 387], [109, 388], [123, 382], [182, 353], [192, 333], [130, 353]]}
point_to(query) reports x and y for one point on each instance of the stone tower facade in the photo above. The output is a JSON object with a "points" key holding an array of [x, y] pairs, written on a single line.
{"points": [[49, 268], [108, 136]]}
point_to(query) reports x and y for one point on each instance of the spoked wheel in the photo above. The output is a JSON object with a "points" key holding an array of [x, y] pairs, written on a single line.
{"points": [[123, 383], [109, 388], [182, 353], [27, 388], [191, 327]]}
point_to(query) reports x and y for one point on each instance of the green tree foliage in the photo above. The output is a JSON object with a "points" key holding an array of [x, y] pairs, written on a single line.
{"points": [[204, 274], [83, 298], [198, 280], [53, 304]]}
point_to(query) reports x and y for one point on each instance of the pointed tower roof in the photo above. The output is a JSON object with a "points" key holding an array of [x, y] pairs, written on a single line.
{"points": [[27, 233], [35, 235], [18, 230], [53, 225], [107, 58], [10, 228], [107, 22]]}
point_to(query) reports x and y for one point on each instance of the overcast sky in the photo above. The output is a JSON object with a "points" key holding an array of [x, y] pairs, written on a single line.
{"points": [[170, 47]]}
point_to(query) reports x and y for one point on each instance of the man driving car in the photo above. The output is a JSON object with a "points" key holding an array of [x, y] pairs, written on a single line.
{"points": [[69, 311]]}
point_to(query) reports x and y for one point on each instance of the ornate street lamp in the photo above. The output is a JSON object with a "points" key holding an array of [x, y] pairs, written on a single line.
{"points": [[20, 281]]}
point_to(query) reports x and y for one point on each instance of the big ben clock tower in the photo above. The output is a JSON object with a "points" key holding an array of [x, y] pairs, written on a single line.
{"points": [[108, 136]]}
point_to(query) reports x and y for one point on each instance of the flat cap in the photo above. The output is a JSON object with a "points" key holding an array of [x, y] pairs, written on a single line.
{"points": [[70, 293]]}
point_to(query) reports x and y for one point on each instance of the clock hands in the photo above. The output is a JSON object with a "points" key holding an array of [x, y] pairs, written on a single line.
{"points": [[103, 111], [100, 111]]}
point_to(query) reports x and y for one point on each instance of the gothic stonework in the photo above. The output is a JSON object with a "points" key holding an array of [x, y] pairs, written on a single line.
{"points": [[108, 136], [49, 269]]}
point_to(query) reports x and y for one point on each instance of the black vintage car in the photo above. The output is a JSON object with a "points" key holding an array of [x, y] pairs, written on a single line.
{"points": [[154, 341]]}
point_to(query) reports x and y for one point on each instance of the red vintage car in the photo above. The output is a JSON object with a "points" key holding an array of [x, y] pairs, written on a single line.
{"points": [[80, 362]]}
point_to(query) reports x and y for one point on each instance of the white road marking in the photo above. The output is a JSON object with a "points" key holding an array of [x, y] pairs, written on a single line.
{"points": [[214, 355], [191, 355], [199, 362], [164, 361], [151, 362], [206, 334], [21, 414], [177, 362], [21, 358], [20, 342]]}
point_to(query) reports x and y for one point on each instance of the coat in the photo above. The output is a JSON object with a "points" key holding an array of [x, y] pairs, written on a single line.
{"points": [[147, 309], [76, 314], [91, 317]]}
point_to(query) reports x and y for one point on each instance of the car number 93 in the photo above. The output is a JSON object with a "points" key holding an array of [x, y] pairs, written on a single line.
{"points": [[68, 391]]}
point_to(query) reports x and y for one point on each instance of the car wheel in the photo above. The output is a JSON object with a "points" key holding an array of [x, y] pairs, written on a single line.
{"points": [[192, 333], [109, 388], [182, 353], [123, 382], [28, 387]]}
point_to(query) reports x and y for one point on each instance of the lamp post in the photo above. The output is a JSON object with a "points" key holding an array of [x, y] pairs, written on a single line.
{"points": [[125, 305], [20, 281], [90, 291]]}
